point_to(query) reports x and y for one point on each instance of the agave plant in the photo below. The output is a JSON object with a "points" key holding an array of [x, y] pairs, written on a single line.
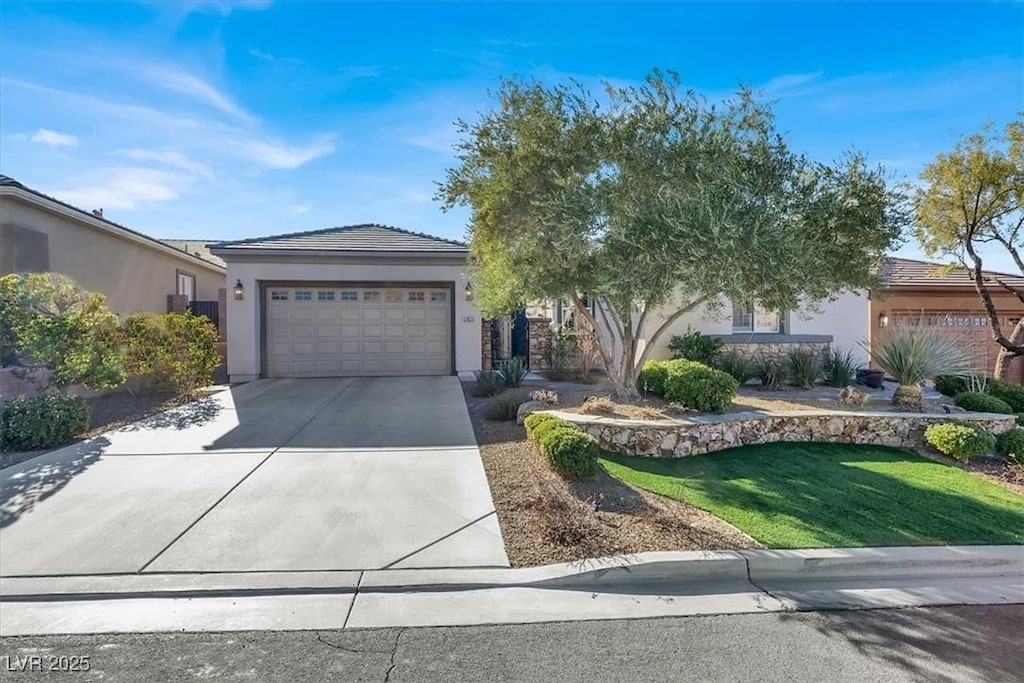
{"points": [[910, 355]]}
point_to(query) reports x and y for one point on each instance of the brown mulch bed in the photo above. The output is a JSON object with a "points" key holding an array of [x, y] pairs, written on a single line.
{"points": [[108, 412], [546, 519]]}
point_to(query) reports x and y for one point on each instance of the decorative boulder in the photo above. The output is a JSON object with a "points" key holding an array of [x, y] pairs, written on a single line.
{"points": [[851, 396], [544, 396], [529, 408]]}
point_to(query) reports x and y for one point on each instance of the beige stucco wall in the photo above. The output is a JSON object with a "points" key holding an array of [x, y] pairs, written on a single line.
{"points": [[135, 277], [244, 359]]}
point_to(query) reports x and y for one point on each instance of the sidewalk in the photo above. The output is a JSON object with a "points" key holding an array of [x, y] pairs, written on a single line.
{"points": [[646, 585]]}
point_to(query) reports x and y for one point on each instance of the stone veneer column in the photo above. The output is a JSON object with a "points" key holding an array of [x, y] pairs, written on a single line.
{"points": [[539, 330], [485, 345]]}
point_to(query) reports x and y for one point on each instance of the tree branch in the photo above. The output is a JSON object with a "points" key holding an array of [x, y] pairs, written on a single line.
{"points": [[986, 298], [665, 325]]}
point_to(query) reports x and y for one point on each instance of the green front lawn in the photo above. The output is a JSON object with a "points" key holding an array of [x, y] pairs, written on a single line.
{"points": [[815, 495]]}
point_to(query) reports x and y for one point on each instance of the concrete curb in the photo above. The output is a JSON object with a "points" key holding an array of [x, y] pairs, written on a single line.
{"points": [[644, 572]]}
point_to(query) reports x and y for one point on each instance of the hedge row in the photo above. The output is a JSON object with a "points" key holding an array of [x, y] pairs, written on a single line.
{"points": [[570, 451], [1008, 392]]}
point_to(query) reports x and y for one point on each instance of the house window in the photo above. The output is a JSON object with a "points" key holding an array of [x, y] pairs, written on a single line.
{"points": [[187, 285], [417, 296], [754, 319], [438, 297], [349, 295], [279, 295], [565, 310], [325, 296], [303, 295], [371, 295], [393, 296]]}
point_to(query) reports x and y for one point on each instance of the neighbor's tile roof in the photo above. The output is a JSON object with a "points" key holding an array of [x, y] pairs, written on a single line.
{"points": [[903, 272], [196, 247], [368, 237]]}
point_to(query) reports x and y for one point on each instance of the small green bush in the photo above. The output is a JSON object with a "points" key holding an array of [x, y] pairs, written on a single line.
{"points": [[487, 384], [1020, 419], [570, 451], [696, 347], [770, 369], [652, 377], [803, 367], [535, 420], [959, 440], [1012, 393], [951, 385], [1010, 445], [699, 387], [504, 408], [511, 372], [176, 349], [735, 364], [982, 403], [838, 368], [28, 423]]}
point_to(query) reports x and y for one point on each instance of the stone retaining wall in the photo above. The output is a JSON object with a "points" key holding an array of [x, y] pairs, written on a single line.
{"points": [[680, 438], [776, 349]]}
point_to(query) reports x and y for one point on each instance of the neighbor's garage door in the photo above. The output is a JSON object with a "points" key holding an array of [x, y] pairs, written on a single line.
{"points": [[340, 331]]}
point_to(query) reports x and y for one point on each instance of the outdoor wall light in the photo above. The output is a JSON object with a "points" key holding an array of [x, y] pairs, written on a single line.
{"points": [[469, 290], [883, 319], [239, 290]]}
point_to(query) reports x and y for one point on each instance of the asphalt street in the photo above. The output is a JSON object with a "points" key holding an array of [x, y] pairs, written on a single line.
{"points": [[933, 644]]}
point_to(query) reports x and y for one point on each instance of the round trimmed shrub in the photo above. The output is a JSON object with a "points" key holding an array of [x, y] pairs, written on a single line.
{"points": [[699, 387], [951, 385], [571, 452], [1010, 445], [1012, 393], [652, 377], [29, 423], [556, 424], [534, 420], [982, 403], [959, 439]]}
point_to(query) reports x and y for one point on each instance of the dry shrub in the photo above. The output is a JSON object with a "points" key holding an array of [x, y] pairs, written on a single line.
{"points": [[567, 520], [598, 405]]}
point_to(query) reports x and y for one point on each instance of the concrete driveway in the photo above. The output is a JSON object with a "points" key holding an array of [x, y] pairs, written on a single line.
{"points": [[275, 475]]}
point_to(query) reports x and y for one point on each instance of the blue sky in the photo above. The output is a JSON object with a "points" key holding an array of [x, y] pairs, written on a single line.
{"points": [[218, 119]]}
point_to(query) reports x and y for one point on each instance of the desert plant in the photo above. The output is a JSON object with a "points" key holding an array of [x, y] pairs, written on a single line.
{"points": [[736, 364], [951, 385], [653, 376], [1010, 445], [174, 349], [803, 367], [769, 369], [511, 372], [982, 403], [487, 384], [910, 355], [838, 368], [959, 439], [42, 421], [699, 387], [504, 407], [1012, 393], [695, 346], [977, 382]]}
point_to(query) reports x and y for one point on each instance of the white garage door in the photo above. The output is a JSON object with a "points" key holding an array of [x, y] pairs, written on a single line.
{"points": [[339, 331]]}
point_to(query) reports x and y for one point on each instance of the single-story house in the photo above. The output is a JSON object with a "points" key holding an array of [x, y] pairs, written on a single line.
{"points": [[135, 272], [346, 301]]}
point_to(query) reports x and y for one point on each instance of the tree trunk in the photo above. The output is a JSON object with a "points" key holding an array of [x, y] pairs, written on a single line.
{"points": [[907, 396], [1005, 357]]}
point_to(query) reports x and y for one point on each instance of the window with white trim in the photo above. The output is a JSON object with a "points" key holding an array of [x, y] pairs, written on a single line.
{"points": [[325, 295], [371, 295], [439, 297], [279, 295], [349, 295], [303, 295], [393, 296], [755, 319], [417, 296]]}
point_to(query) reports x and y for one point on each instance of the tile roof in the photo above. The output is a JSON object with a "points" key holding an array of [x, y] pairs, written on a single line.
{"points": [[7, 181], [366, 237], [904, 272], [196, 247]]}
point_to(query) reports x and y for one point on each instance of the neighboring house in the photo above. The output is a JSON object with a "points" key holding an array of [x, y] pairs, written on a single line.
{"points": [[917, 293], [345, 301], [135, 272]]}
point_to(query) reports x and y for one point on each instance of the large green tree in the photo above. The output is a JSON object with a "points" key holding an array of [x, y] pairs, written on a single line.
{"points": [[970, 202], [652, 199]]}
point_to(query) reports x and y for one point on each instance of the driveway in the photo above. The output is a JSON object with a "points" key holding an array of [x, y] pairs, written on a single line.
{"points": [[275, 475]]}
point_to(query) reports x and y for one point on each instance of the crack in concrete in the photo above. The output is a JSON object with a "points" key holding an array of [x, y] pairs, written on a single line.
{"points": [[785, 606], [337, 646], [394, 652]]}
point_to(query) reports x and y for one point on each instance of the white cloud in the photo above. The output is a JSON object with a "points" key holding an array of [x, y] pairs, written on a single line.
{"points": [[45, 136], [167, 158], [221, 7], [260, 54], [278, 155], [299, 209], [174, 79], [788, 82], [124, 188]]}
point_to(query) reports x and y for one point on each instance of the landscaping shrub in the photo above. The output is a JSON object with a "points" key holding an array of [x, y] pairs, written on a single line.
{"points": [[769, 369], [982, 403], [699, 387], [803, 367], [696, 347], [735, 364], [46, 420], [959, 440], [652, 377], [570, 451], [1020, 419], [1010, 445], [567, 520], [838, 368], [910, 355], [535, 420], [487, 384], [511, 372], [176, 349], [951, 385], [504, 408], [1012, 393]]}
